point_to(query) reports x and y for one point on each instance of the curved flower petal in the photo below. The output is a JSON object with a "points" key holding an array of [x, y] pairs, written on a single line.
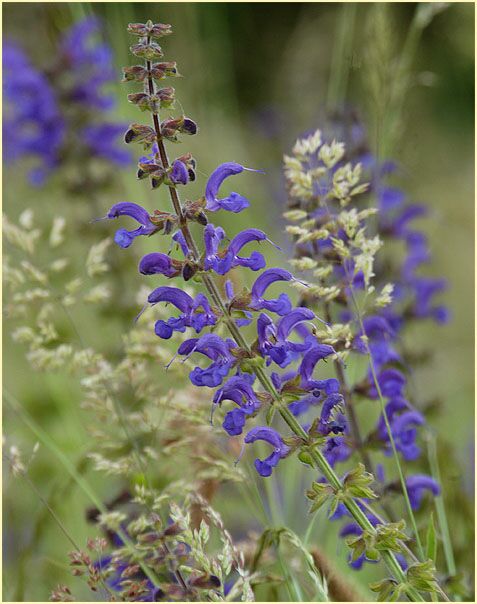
{"points": [[267, 278], [391, 382], [289, 322], [126, 208], [255, 262], [234, 421], [174, 295], [280, 305], [246, 236], [233, 202], [311, 358]]}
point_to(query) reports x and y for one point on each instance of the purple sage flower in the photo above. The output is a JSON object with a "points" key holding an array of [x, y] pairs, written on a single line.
{"points": [[233, 202], [280, 450]]}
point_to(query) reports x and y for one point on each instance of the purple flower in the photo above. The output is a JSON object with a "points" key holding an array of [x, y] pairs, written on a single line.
{"points": [[336, 450], [425, 288], [102, 141], [189, 307], [405, 434], [410, 212], [302, 405], [329, 421], [282, 304], [255, 261], [90, 64], [233, 202], [392, 408], [240, 391], [380, 335], [223, 262], [391, 382], [123, 237], [150, 158], [234, 422], [216, 349], [273, 342], [280, 450], [390, 198], [318, 389], [32, 122], [212, 238], [416, 485]]}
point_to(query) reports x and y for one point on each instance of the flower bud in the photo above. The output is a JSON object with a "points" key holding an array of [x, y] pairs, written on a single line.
{"points": [[134, 73], [141, 99], [139, 133], [149, 51], [188, 271], [160, 71], [165, 96], [202, 219], [189, 126], [171, 127], [154, 30]]}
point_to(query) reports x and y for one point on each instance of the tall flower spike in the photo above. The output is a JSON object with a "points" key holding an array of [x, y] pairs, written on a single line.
{"points": [[333, 243], [234, 362]]}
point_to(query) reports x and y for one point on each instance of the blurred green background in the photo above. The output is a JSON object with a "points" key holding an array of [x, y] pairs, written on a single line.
{"points": [[255, 77]]}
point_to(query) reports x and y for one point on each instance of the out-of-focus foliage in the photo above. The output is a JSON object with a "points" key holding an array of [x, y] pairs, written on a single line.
{"points": [[256, 76]]}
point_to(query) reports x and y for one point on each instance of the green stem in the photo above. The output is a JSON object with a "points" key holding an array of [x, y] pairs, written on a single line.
{"points": [[388, 428], [51, 511], [340, 59], [440, 508], [401, 80]]}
